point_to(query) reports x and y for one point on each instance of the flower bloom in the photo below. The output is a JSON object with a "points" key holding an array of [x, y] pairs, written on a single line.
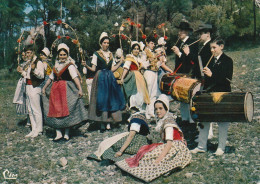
{"points": [[59, 21]]}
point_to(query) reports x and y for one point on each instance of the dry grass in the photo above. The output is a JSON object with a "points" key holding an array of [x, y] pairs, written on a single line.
{"points": [[37, 160]]}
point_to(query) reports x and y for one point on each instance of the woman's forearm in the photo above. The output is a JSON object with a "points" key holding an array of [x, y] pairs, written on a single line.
{"points": [[128, 141], [77, 82], [164, 152]]}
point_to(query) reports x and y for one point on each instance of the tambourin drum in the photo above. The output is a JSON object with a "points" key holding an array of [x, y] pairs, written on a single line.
{"points": [[222, 107], [179, 86]]}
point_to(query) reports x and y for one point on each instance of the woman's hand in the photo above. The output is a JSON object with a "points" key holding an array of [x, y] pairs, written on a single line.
{"points": [[80, 93], [121, 81], [118, 154], [207, 71], [43, 91], [19, 69]]}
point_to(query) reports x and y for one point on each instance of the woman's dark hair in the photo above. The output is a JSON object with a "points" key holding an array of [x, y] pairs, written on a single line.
{"points": [[150, 39], [104, 38], [159, 101], [62, 49], [133, 46], [29, 47], [218, 41]]}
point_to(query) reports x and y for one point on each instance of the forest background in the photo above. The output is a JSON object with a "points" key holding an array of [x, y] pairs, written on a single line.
{"points": [[234, 20]]}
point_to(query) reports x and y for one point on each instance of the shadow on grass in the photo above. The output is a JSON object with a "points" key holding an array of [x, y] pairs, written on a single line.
{"points": [[95, 125], [22, 122]]}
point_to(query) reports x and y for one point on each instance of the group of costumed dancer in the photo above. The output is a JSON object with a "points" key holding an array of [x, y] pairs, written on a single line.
{"points": [[54, 95]]}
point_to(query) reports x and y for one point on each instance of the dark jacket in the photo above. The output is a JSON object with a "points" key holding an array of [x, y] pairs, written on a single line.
{"points": [[205, 54], [222, 70], [187, 61]]}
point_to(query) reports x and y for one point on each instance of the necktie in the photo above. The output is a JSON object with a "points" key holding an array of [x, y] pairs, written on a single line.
{"points": [[215, 61]]}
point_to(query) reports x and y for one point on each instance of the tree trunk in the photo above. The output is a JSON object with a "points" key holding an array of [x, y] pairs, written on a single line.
{"points": [[144, 22], [254, 20]]}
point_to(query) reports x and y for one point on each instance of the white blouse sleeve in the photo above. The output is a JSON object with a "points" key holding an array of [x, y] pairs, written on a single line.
{"points": [[39, 70], [135, 127], [127, 64], [94, 60], [169, 133], [72, 71], [51, 76]]}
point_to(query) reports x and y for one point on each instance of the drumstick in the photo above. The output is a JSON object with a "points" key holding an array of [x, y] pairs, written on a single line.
{"points": [[177, 41], [234, 84], [176, 69], [209, 60]]}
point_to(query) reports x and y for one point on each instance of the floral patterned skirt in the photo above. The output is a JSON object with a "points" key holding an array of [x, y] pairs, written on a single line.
{"points": [[179, 156]]}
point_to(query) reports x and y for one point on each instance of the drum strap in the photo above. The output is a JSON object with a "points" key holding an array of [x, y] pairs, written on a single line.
{"points": [[210, 87]]}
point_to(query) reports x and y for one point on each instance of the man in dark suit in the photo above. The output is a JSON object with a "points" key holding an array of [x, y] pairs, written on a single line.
{"points": [[185, 55], [204, 52], [217, 77], [184, 61], [204, 31]]}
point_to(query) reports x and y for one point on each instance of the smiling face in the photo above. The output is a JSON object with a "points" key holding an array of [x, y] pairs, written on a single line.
{"points": [[63, 56], [136, 50], [216, 49], [160, 111], [24, 56], [29, 54], [105, 44]]}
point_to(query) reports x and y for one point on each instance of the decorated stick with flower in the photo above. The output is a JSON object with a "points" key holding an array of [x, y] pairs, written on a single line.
{"points": [[19, 47], [67, 26]]}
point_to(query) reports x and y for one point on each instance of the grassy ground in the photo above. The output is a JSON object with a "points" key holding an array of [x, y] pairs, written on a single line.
{"points": [[37, 160]]}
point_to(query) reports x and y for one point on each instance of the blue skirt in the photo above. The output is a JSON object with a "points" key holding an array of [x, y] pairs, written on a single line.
{"points": [[109, 94]]}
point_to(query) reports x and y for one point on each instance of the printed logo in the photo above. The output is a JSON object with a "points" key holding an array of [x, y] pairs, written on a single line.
{"points": [[9, 176]]}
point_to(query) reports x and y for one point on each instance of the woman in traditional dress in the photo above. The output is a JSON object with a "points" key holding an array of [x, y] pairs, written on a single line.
{"points": [[107, 99], [157, 159], [125, 144], [133, 81], [62, 102], [161, 54]]}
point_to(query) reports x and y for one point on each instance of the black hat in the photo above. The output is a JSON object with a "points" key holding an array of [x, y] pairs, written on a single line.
{"points": [[204, 27], [184, 26]]}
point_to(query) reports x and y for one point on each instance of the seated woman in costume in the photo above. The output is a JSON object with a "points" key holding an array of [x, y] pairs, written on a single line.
{"points": [[133, 81], [125, 144], [62, 102], [107, 100], [154, 160]]}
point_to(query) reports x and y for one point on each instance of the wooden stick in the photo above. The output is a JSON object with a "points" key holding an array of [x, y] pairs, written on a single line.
{"points": [[234, 85], [209, 60], [194, 42], [177, 69], [177, 41]]}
